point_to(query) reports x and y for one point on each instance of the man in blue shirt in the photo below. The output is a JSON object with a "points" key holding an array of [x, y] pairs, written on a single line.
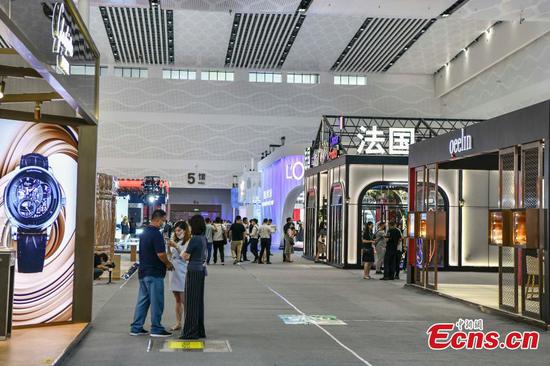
{"points": [[153, 263]]}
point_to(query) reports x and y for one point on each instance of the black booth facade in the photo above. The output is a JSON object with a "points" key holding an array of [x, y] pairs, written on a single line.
{"points": [[501, 172]]}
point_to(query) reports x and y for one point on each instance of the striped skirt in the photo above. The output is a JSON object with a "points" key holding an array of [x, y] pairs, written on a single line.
{"points": [[193, 327]]}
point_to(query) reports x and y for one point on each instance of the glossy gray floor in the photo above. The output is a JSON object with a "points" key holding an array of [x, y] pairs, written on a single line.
{"points": [[386, 322]]}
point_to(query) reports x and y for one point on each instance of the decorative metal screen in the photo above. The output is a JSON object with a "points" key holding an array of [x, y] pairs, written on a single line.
{"points": [[508, 296], [531, 175], [507, 180], [311, 223]]}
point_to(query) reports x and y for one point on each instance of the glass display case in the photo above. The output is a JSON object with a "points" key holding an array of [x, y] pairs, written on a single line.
{"points": [[436, 225], [412, 225], [423, 225], [526, 227], [500, 227]]}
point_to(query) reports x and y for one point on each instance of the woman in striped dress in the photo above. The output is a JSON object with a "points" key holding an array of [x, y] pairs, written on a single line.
{"points": [[195, 255]]}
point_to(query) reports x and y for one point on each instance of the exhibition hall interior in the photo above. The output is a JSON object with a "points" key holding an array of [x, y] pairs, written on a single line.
{"points": [[274, 182]]}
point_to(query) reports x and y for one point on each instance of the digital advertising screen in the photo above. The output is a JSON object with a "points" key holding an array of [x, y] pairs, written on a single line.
{"points": [[38, 187]]}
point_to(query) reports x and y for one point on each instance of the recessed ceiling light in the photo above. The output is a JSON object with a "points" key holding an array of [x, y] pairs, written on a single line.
{"points": [[444, 15]]}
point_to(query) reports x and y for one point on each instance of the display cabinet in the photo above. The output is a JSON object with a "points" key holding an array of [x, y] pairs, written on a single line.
{"points": [[422, 219], [436, 223], [412, 225], [500, 227], [526, 227]]}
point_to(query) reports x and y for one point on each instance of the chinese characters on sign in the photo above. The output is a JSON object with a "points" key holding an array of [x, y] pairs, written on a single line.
{"points": [[373, 140], [192, 178]]}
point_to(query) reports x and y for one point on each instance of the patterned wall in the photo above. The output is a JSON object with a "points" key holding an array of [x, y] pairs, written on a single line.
{"points": [[518, 81], [172, 128]]}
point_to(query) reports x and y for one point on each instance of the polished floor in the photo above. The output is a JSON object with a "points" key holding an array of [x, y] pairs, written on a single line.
{"points": [[386, 323]]}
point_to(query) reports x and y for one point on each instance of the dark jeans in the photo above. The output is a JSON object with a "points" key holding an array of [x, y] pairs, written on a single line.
{"points": [[398, 256], [209, 247], [254, 248], [193, 328], [389, 262], [97, 273], [266, 247], [244, 250], [219, 247], [151, 293]]}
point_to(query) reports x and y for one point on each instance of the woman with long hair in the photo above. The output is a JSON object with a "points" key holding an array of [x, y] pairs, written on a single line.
{"points": [[368, 250], [179, 242], [195, 255]]}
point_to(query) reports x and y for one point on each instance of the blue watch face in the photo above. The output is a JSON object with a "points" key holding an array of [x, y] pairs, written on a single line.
{"points": [[33, 197]]}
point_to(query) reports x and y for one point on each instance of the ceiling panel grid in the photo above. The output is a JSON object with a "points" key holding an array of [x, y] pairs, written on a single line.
{"points": [[140, 35]]}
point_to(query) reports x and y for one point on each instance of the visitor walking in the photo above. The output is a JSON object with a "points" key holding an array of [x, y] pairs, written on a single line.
{"points": [[245, 240], [237, 233], [133, 227], [209, 234], [321, 242], [219, 239], [178, 243], [380, 246], [125, 228], [153, 263], [195, 255], [265, 240], [368, 250], [286, 230], [289, 244]]}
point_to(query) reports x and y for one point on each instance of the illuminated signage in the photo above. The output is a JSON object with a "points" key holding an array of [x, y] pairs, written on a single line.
{"points": [[461, 144], [333, 153], [334, 140], [373, 140], [62, 38], [294, 170]]}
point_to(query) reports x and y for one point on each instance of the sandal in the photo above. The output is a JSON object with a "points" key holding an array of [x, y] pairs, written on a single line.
{"points": [[175, 327]]}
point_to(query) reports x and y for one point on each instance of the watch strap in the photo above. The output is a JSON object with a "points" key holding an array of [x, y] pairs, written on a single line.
{"points": [[31, 252], [34, 159]]}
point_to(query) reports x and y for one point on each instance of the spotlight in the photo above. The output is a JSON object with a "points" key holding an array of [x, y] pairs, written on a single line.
{"points": [[2, 88]]}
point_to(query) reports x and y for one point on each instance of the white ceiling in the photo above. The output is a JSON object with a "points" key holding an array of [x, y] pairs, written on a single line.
{"points": [[202, 28]]}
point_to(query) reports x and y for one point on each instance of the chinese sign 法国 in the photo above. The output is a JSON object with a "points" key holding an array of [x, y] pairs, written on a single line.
{"points": [[373, 140]]}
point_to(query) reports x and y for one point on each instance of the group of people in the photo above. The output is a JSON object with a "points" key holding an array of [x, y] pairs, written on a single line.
{"points": [[382, 248], [183, 254]]}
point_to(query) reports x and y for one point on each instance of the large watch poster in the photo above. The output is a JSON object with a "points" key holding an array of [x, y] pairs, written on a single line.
{"points": [[38, 182]]}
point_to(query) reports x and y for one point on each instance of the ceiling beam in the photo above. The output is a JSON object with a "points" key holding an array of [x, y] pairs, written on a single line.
{"points": [[30, 97], [44, 118], [18, 72]]}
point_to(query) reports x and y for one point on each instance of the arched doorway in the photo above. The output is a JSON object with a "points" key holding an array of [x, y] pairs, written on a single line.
{"points": [[388, 201], [294, 201]]}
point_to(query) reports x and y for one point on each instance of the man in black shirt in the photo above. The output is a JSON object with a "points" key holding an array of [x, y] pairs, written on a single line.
{"points": [[393, 236], [237, 232]]}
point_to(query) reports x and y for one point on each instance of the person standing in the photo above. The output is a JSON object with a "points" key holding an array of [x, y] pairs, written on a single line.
{"points": [[321, 242], [180, 239], [237, 233], [209, 234], [153, 263], [133, 227], [289, 243], [394, 236], [286, 230], [265, 238], [380, 246], [195, 255], [273, 230], [245, 240], [254, 238], [219, 239], [368, 250], [399, 254], [125, 228]]}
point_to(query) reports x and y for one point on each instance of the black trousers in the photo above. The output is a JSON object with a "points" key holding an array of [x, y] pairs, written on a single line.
{"points": [[244, 250], [254, 247], [219, 247], [266, 247], [193, 328], [389, 262], [398, 256]]}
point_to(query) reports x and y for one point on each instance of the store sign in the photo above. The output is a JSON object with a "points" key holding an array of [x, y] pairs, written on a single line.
{"points": [[307, 158], [373, 140], [294, 170], [461, 144], [62, 38], [268, 198], [334, 140]]}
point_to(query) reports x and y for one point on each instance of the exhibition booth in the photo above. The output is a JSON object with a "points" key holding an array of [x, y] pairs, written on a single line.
{"points": [[497, 169], [356, 172], [48, 120]]}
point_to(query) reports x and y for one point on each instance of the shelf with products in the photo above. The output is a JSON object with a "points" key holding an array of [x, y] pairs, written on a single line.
{"points": [[500, 227], [526, 227], [423, 225]]}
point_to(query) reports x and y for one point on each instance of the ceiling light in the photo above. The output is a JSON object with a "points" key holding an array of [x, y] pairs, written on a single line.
{"points": [[445, 15], [2, 88]]}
